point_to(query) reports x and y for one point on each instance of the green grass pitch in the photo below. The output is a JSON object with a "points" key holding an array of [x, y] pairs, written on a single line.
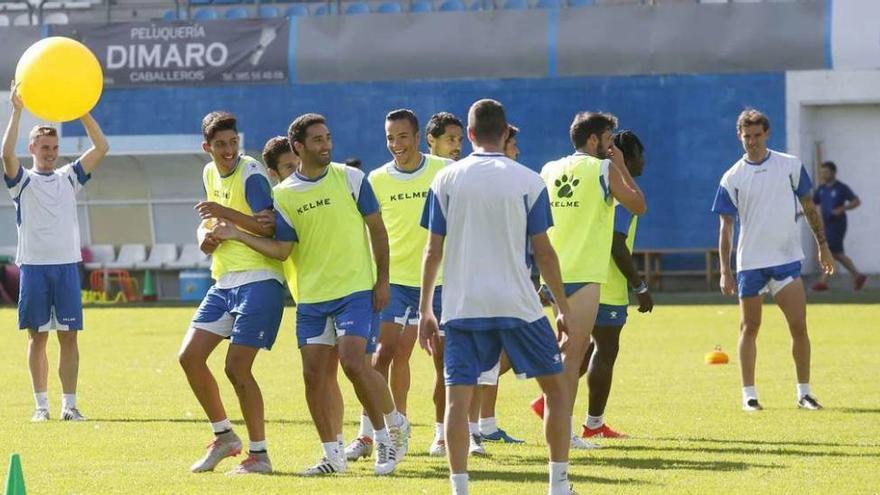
{"points": [[688, 433]]}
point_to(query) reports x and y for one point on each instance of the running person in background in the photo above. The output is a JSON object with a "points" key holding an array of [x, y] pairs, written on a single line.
{"points": [[245, 303], [485, 211], [445, 134], [401, 186], [320, 204], [757, 190], [279, 159], [48, 252], [583, 187], [834, 199]]}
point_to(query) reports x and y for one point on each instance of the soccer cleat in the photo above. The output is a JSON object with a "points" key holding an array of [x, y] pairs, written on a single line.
{"points": [[578, 443], [325, 466], [537, 406], [753, 405], [859, 282], [571, 490], [386, 458], [476, 446], [501, 436], [40, 415], [224, 445], [438, 448], [256, 463], [71, 414], [820, 287], [400, 436], [359, 447], [809, 403], [603, 431]]}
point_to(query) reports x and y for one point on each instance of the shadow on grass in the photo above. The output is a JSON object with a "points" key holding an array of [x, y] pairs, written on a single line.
{"points": [[659, 463], [236, 422], [735, 450], [759, 442], [856, 410]]}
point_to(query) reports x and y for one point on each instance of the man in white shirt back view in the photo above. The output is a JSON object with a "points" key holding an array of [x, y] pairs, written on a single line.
{"points": [[762, 190], [49, 250], [488, 209]]}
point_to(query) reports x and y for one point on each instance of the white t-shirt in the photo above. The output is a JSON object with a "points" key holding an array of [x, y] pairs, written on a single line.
{"points": [[488, 207], [45, 209], [764, 197]]}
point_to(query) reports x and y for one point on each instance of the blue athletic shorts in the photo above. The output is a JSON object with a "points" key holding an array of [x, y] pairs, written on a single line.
{"points": [[403, 308], [531, 348], [249, 314], [50, 298], [772, 279], [611, 316], [322, 323], [568, 288], [834, 233]]}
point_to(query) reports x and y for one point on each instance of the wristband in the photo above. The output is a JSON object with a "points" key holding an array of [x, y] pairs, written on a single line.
{"points": [[642, 288]]}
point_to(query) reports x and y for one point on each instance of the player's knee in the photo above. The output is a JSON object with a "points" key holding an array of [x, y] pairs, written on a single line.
{"points": [[798, 329], [384, 356], [749, 328], [351, 365], [187, 359], [237, 373], [313, 377]]}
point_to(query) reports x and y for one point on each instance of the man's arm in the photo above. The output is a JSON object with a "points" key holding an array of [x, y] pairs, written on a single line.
{"points": [[431, 260], [624, 261], [272, 248], [379, 245], [725, 243], [210, 209], [93, 156], [11, 165], [207, 242], [623, 187], [826, 260]]}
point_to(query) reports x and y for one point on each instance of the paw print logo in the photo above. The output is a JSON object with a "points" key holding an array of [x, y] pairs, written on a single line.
{"points": [[565, 186]]}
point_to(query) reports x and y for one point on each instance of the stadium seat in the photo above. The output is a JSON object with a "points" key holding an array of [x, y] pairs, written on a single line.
{"points": [[101, 254], [516, 5], [296, 10], [237, 13], [267, 11], [475, 5], [4, 21], [226, 2], [129, 255], [199, 2], [160, 255], [389, 8], [357, 8], [421, 6], [22, 20], [169, 15], [205, 15], [548, 4], [581, 3], [56, 18], [190, 257], [452, 6], [323, 10]]}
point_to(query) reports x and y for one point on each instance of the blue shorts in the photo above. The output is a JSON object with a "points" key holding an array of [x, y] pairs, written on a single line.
{"points": [[531, 348], [249, 314], [611, 316], [834, 233], [403, 309], [568, 288], [322, 323], [50, 298], [772, 279]]}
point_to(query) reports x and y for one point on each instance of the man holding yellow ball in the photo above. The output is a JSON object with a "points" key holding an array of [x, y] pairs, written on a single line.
{"points": [[49, 250]]}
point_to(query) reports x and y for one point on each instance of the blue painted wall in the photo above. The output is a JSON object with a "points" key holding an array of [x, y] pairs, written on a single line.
{"points": [[687, 123]]}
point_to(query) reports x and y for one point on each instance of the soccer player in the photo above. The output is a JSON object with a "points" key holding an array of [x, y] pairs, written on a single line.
{"points": [[582, 189], [279, 159], [488, 209], [49, 251], [834, 199], [317, 207], [445, 134], [401, 186], [761, 190], [245, 303]]}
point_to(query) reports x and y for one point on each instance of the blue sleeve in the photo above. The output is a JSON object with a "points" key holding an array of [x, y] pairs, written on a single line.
{"points": [[848, 194], [622, 219], [817, 198], [258, 193], [283, 230], [12, 182], [539, 217], [81, 176], [723, 204], [805, 185], [432, 215], [367, 202]]}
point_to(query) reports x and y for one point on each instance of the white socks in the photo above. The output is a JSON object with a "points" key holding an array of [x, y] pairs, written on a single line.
{"points": [[257, 446], [459, 483], [803, 389], [41, 399], [439, 432], [394, 418], [221, 426], [366, 427], [68, 401], [595, 422], [749, 393], [474, 428], [488, 426], [382, 436], [559, 478], [331, 451]]}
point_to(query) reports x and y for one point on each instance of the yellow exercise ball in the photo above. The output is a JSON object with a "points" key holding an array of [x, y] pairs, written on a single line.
{"points": [[59, 79]]}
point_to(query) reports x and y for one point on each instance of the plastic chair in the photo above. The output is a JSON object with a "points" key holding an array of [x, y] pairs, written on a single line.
{"points": [[357, 8], [422, 6], [101, 253], [516, 5], [390, 8], [581, 3], [160, 255], [323, 10], [237, 13], [296, 10], [56, 18], [129, 255], [205, 15], [190, 257], [452, 6], [267, 12], [4, 21], [548, 4]]}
